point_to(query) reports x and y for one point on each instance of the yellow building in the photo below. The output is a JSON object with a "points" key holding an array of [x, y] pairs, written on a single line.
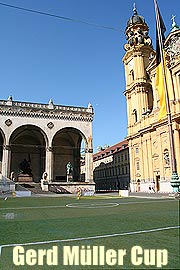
{"points": [[149, 145]]}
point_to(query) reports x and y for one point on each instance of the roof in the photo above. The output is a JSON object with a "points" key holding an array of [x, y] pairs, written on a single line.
{"points": [[111, 150]]}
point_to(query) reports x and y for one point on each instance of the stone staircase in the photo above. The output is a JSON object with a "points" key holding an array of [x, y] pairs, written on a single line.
{"points": [[58, 189], [34, 188]]}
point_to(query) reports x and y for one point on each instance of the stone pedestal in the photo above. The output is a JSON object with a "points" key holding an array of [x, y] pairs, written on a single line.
{"points": [[44, 185], [69, 178], [124, 193], [24, 178], [175, 182]]}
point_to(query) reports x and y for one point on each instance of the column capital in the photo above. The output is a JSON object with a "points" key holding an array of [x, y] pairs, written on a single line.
{"points": [[7, 147], [49, 149]]}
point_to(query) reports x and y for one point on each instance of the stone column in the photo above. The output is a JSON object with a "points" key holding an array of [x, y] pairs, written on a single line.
{"points": [[49, 163], [89, 166], [6, 161], [89, 161]]}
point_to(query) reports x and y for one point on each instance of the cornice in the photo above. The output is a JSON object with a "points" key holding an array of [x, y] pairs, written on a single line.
{"points": [[41, 111], [136, 87], [152, 127]]}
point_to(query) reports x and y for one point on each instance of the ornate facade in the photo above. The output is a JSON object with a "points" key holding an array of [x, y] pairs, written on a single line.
{"points": [[149, 145], [45, 136]]}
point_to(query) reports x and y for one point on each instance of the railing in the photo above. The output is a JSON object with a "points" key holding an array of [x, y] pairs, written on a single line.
{"points": [[45, 106]]}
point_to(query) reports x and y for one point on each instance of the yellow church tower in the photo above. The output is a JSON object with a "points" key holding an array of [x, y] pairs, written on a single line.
{"points": [[149, 146]]}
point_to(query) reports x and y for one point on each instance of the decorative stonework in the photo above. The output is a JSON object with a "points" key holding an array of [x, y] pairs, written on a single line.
{"points": [[50, 125], [42, 111], [7, 147], [8, 122], [172, 48]]}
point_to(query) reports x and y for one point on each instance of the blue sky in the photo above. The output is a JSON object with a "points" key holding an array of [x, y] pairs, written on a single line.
{"points": [[73, 63]]}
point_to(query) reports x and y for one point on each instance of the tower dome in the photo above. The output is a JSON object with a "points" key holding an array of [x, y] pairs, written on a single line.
{"points": [[137, 31], [135, 18]]}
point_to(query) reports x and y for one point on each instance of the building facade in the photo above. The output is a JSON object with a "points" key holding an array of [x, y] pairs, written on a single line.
{"points": [[44, 138], [111, 167], [149, 143]]}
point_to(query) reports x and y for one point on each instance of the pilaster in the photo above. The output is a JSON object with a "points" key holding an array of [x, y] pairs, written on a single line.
{"points": [[49, 163], [6, 160]]}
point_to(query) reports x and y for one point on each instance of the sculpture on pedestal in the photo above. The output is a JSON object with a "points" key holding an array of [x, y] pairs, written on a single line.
{"points": [[69, 170]]}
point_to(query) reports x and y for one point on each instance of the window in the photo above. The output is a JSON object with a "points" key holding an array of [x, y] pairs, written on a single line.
{"points": [[137, 165], [132, 75], [135, 115], [137, 150]]}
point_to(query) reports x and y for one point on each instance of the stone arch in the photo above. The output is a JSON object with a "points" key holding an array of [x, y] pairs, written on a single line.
{"points": [[2, 143], [66, 146], [28, 142]]}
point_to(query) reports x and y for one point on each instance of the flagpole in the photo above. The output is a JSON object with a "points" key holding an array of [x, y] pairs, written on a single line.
{"points": [[175, 183]]}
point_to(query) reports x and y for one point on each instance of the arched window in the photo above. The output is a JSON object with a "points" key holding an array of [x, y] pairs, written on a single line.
{"points": [[132, 74], [135, 115]]}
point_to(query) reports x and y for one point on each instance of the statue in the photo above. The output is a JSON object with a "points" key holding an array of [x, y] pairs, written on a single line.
{"points": [[25, 167], [12, 176], [44, 176], [69, 168], [44, 182], [166, 157]]}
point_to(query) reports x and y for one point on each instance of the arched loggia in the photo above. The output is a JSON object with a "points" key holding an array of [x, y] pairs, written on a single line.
{"points": [[28, 143], [67, 148]]}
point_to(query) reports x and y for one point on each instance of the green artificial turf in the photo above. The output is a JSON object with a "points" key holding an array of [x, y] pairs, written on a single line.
{"points": [[30, 220]]}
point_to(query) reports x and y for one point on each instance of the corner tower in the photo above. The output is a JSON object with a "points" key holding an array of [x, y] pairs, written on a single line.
{"points": [[139, 53]]}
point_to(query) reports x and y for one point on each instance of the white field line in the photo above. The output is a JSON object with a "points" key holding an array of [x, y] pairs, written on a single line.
{"points": [[62, 206], [33, 207], [92, 205], [89, 237]]}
